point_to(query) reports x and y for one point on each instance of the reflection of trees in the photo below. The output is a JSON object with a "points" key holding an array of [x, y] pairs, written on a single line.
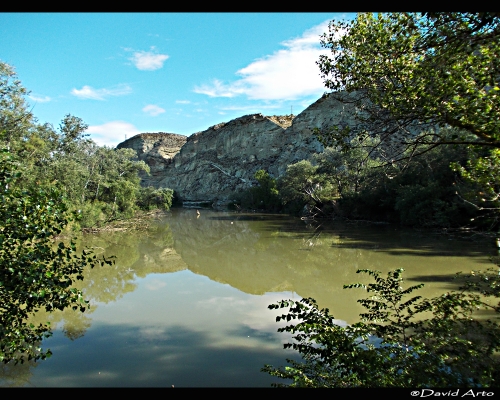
{"points": [[110, 283], [74, 323], [265, 253], [256, 254], [14, 375], [138, 253]]}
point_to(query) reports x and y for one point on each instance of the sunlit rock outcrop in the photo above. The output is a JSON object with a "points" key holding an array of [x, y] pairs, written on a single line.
{"points": [[155, 149], [217, 163]]}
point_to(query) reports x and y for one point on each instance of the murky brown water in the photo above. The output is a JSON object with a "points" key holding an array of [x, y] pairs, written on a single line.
{"points": [[186, 302]]}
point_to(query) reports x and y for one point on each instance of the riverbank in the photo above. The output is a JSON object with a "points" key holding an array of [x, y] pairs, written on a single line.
{"points": [[141, 221]]}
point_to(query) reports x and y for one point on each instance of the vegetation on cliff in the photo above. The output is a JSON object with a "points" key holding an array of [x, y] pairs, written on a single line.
{"points": [[422, 81], [350, 184]]}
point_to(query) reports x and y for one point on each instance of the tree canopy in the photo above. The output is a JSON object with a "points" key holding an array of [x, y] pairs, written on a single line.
{"points": [[102, 182], [35, 273], [409, 75], [50, 178]]}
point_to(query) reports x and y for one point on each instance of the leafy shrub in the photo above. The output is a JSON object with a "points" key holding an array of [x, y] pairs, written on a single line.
{"points": [[394, 344], [150, 198], [482, 189], [421, 193], [306, 187], [35, 273], [264, 196], [93, 214]]}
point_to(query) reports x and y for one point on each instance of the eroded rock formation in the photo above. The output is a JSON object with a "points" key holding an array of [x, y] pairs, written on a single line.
{"points": [[217, 163], [157, 150]]}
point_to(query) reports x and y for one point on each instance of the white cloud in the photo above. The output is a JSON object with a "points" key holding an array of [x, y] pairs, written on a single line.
{"points": [[153, 110], [309, 38], [182, 101], [88, 92], [287, 74], [155, 284], [218, 89], [112, 133], [148, 60], [40, 99]]}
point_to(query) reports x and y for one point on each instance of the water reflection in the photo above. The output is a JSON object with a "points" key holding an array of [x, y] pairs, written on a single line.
{"points": [[186, 301]]}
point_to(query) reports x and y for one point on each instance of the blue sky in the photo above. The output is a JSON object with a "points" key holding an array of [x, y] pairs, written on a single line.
{"points": [[126, 73]]}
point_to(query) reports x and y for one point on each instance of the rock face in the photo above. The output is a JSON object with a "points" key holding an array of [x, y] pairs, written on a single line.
{"points": [[155, 149], [217, 163]]}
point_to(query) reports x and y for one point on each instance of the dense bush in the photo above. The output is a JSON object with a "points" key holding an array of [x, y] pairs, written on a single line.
{"points": [[150, 198], [422, 192], [263, 196], [35, 272], [397, 343]]}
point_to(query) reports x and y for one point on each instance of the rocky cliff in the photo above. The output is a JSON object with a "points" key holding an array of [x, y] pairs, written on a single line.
{"points": [[157, 150], [217, 163]]}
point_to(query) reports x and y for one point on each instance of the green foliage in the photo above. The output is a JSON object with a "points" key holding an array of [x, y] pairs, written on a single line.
{"points": [[332, 175], [482, 173], [37, 164], [150, 198], [91, 214], [106, 177], [303, 186], [396, 344], [352, 183], [417, 71], [299, 182], [34, 273], [420, 193], [101, 182], [264, 196], [351, 167], [15, 119], [415, 82]]}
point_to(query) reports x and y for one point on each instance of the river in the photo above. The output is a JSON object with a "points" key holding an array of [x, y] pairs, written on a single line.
{"points": [[186, 302]]}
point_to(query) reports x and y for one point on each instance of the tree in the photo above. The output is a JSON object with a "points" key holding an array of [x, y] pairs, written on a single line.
{"points": [[14, 115], [264, 195], [349, 167], [150, 198], [101, 181], [35, 273], [483, 170], [409, 75], [302, 185], [332, 174], [395, 344]]}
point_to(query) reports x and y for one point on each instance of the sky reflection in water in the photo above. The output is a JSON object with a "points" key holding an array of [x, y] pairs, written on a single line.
{"points": [[186, 302]]}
